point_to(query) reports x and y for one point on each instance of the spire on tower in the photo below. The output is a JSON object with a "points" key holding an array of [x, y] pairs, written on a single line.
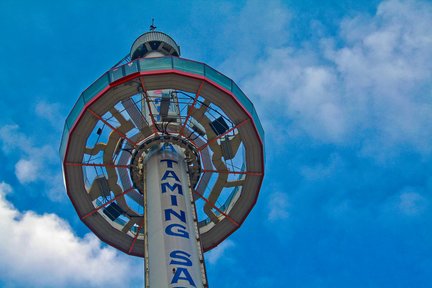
{"points": [[152, 26]]}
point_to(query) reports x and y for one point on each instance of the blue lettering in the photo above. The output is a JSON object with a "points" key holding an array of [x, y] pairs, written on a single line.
{"points": [[167, 147], [174, 200], [181, 216], [180, 231], [178, 276], [171, 187], [169, 162], [180, 258], [167, 173]]}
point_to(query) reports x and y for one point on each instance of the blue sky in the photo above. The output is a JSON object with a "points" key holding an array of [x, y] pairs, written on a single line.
{"points": [[343, 89]]}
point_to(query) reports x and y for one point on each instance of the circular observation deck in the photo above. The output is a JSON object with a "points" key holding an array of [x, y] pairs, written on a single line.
{"points": [[162, 100]]}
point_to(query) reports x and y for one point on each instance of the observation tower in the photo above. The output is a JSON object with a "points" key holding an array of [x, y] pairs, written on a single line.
{"points": [[163, 158]]}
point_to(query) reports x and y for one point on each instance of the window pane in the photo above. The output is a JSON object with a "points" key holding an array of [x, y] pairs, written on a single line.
{"points": [[64, 140], [217, 77], [188, 66], [161, 63], [95, 88], [116, 73], [76, 110], [131, 67]]}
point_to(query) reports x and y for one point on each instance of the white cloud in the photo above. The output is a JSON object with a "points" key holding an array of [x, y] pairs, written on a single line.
{"points": [[27, 170], [42, 251], [411, 203], [384, 67], [50, 112], [248, 30], [322, 170], [5, 189], [278, 207], [12, 139], [34, 162], [220, 251], [370, 82]]}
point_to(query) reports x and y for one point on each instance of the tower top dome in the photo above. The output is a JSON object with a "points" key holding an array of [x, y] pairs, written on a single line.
{"points": [[154, 44]]}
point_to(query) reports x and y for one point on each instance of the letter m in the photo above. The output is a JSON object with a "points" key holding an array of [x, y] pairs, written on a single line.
{"points": [[164, 187]]}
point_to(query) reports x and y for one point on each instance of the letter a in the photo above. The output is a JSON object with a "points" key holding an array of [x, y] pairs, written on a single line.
{"points": [[173, 175], [187, 277]]}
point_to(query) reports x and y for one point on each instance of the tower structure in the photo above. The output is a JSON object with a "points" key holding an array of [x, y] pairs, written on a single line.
{"points": [[163, 158]]}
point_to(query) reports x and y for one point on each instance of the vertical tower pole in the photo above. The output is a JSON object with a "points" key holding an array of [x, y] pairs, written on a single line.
{"points": [[174, 255], [146, 262]]}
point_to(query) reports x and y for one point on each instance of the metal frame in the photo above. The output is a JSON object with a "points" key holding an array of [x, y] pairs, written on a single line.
{"points": [[203, 80]]}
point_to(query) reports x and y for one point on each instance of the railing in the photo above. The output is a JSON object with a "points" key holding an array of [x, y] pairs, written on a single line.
{"points": [[155, 64]]}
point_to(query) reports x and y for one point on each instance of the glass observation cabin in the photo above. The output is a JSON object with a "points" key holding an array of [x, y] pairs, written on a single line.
{"points": [[161, 98]]}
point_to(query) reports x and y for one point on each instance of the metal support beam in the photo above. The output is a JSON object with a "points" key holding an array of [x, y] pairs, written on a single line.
{"points": [[97, 165], [217, 209], [155, 128], [193, 104], [107, 203], [112, 127], [234, 172], [223, 134]]}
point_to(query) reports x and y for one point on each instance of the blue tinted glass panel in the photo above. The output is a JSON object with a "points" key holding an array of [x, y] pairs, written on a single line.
{"points": [[95, 88], [217, 77], [244, 100], [75, 112], [259, 127], [63, 143], [116, 74], [188, 66], [230, 198], [147, 64], [131, 67]]}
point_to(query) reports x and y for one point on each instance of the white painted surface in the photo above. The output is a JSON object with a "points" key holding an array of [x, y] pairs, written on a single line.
{"points": [[173, 248]]}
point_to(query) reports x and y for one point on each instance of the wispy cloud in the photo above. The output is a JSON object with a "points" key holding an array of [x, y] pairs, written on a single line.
{"points": [[219, 252], [411, 203], [50, 112], [42, 251], [27, 171], [278, 207], [367, 84], [33, 162], [248, 28]]}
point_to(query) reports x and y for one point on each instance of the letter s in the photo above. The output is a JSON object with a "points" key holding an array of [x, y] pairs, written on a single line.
{"points": [[180, 258]]}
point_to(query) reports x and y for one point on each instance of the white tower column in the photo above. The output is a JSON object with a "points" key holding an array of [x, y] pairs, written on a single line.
{"points": [[173, 249]]}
